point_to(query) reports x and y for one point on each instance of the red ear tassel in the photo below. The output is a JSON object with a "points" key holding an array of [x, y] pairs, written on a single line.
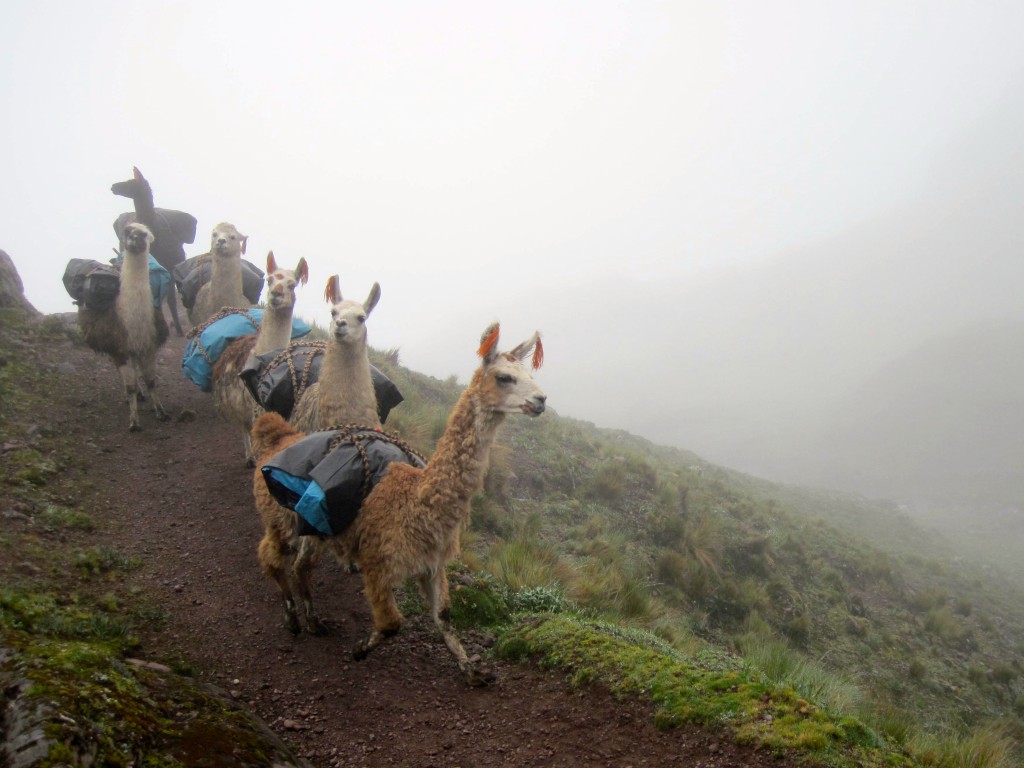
{"points": [[332, 289], [487, 342], [538, 355]]}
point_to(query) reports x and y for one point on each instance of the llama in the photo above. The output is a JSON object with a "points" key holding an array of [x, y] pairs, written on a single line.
{"points": [[410, 523], [343, 393], [230, 396], [227, 245], [171, 230], [132, 329]]}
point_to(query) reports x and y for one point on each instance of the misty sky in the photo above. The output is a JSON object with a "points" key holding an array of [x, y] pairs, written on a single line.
{"points": [[720, 214]]}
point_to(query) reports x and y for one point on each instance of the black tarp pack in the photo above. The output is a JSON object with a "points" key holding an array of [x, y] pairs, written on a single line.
{"points": [[92, 284], [324, 479], [192, 274], [274, 378]]}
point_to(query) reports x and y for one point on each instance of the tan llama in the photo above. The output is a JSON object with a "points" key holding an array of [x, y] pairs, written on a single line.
{"points": [[410, 524], [343, 393], [231, 398], [131, 330], [227, 245]]}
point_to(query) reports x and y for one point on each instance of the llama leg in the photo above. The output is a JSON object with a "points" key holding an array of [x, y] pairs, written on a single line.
{"points": [[276, 559], [131, 393], [250, 456], [387, 619], [302, 572], [172, 304], [435, 590], [148, 381]]}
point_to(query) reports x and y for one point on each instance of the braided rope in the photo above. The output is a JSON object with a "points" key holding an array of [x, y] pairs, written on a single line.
{"points": [[300, 381], [357, 435], [197, 331]]}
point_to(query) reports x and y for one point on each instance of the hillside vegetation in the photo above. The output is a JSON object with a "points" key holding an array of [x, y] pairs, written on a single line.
{"points": [[847, 600], [810, 623]]}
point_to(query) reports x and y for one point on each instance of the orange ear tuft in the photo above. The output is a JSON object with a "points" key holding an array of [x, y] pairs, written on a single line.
{"points": [[302, 271], [538, 355], [332, 290], [488, 341]]}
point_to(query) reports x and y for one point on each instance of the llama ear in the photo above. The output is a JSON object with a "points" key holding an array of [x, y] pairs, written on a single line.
{"points": [[271, 263], [302, 271], [245, 239], [533, 345], [137, 174], [372, 299], [332, 293], [488, 349], [538, 355]]}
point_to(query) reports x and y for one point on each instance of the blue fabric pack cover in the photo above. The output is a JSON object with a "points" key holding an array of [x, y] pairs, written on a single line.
{"points": [[159, 277], [325, 484], [159, 281], [205, 348]]}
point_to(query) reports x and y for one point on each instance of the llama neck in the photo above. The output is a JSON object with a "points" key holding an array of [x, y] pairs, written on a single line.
{"points": [[226, 282], [134, 302], [145, 211], [345, 389], [275, 330], [457, 468]]}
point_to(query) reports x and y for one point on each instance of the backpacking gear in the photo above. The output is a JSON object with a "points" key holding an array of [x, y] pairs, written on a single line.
{"points": [[326, 476], [192, 274], [92, 284], [277, 379], [208, 341]]}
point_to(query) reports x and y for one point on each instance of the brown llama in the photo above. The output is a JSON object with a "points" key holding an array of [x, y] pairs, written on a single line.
{"points": [[410, 523], [227, 245], [231, 398], [343, 393], [131, 329]]}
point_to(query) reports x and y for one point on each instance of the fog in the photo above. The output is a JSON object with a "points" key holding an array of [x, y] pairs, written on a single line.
{"points": [[785, 236]]}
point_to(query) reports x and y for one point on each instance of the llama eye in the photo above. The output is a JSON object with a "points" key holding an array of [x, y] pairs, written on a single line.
{"points": [[362, 318], [504, 378]]}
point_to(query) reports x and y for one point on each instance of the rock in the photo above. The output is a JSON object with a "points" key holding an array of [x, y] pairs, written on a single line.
{"points": [[12, 291]]}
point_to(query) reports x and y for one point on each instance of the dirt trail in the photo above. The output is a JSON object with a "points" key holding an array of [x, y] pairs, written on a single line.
{"points": [[182, 505]]}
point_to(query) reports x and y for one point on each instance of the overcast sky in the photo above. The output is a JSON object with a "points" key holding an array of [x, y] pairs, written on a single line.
{"points": [[628, 177]]}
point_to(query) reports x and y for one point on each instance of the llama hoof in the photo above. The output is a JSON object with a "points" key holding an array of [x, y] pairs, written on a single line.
{"points": [[317, 627], [360, 651], [476, 673], [292, 623], [162, 416], [134, 427], [250, 462]]}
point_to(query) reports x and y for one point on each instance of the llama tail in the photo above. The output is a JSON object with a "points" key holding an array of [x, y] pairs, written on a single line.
{"points": [[269, 431]]}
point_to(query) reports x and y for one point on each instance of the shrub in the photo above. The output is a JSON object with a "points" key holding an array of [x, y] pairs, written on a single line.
{"points": [[608, 482]]}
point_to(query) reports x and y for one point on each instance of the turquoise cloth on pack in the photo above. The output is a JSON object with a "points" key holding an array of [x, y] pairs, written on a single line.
{"points": [[204, 350], [159, 278]]}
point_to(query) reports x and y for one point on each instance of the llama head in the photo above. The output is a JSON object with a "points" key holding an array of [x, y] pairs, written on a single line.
{"points": [[348, 317], [281, 282], [137, 238], [227, 242], [503, 381], [137, 186]]}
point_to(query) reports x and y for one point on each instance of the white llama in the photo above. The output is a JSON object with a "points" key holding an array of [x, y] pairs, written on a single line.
{"points": [[231, 398], [227, 245], [131, 329], [343, 393]]}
